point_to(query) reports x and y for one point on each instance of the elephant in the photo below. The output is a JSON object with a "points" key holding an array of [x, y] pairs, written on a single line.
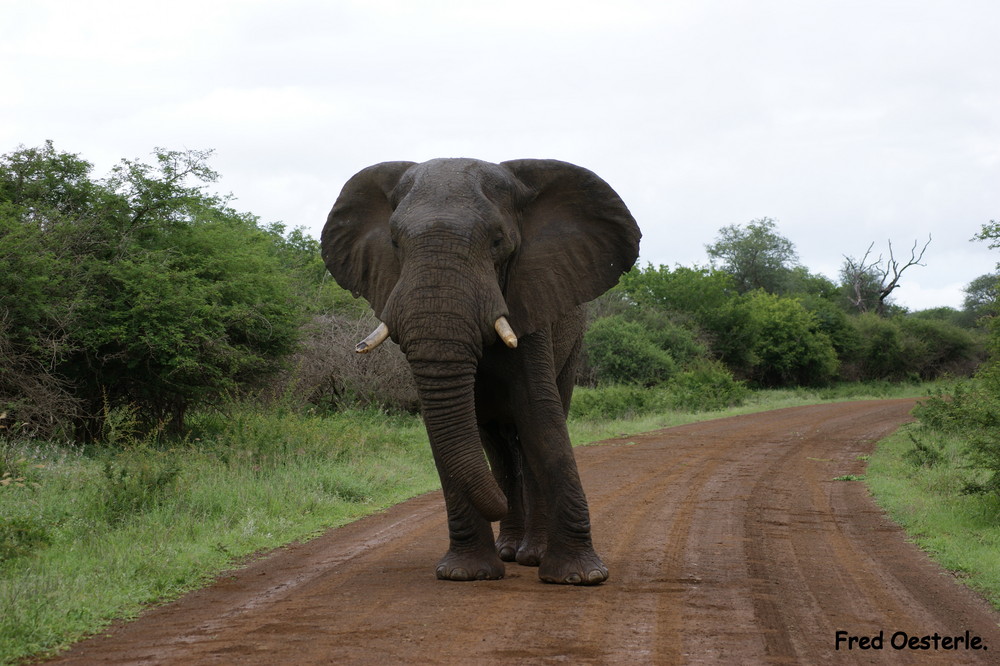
{"points": [[480, 272]]}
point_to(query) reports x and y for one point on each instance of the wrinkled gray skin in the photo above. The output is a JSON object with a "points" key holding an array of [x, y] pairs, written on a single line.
{"points": [[441, 250]]}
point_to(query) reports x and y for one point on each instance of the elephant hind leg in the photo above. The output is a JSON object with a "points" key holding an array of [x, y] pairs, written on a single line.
{"points": [[535, 539], [500, 443], [523, 535]]}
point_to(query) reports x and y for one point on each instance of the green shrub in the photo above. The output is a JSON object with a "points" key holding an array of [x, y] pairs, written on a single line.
{"points": [[134, 483], [615, 401], [21, 536], [923, 454], [968, 407], [696, 292], [934, 347], [140, 288], [623, 351], [705, 386], [774, 341], [663, 330], [880, 354], [971, 411]]}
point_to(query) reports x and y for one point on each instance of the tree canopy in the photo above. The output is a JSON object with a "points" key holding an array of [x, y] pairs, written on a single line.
{"points": [[755, 255], [139, 289]]}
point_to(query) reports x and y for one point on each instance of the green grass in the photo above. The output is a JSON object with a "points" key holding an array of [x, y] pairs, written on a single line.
{"points": [[90, 535], [923, 492], [87, 537], [631, 421]]}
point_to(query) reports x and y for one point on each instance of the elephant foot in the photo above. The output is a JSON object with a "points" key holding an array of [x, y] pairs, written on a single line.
{"points": [[531, 552], [573, 569], [525, 551], [470, 566], [507, 548]]}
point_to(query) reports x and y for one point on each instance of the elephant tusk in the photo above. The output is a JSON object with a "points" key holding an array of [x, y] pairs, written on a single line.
{"points": [[374, 339], [505, 332]]}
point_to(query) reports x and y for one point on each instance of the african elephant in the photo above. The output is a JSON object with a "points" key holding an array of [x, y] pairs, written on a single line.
{"points": [[479, 272]]}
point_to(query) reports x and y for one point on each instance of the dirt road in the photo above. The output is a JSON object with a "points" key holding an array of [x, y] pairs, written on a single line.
{"points": [[728, 542]]}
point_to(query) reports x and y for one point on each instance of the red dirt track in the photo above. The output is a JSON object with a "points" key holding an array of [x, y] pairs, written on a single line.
{"points": [[728, 541]]}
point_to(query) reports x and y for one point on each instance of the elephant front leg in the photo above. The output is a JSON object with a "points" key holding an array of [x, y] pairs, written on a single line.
{"points": [[471, 552], [569, 556]]}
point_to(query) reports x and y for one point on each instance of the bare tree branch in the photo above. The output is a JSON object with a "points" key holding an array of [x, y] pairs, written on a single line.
{"points": [[893, 267], [872, 281]]}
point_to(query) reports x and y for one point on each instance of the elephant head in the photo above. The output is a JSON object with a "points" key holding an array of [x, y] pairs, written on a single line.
{"points": [[455, 255]]}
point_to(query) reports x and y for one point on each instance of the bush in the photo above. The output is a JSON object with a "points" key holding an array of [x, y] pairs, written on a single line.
{"points": [[134, 483], [910, 348], [327, 373], [935, 348], [140, 288], [680, 341], [880, 353], [697, 292], [21, 536], [835, 323], [774, 341], [623, 351], [616, 401], [704, 387], [971, 411]]}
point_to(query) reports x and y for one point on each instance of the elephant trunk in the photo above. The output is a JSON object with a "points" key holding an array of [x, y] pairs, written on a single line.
{"points": [[442, 312], [447, 397]]}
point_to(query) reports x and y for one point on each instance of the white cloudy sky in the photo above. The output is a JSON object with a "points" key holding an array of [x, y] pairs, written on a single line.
{"points": [[846, 121]]}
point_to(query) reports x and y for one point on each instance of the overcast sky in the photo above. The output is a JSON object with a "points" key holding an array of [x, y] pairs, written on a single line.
{"points": [[848, 122]]}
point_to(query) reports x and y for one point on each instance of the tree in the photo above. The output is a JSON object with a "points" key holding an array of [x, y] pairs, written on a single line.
{"points": [[774, 341], [981, 295], [868, 283], [990, 375], [139, 291], [625, 352], [990, 233], [755, 255], [691, 291]]}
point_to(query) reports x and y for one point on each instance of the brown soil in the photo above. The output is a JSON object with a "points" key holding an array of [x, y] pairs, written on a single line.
{"points": [[728, 542]]}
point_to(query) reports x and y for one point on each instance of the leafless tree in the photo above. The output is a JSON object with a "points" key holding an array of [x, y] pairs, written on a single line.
{"points": [[871, 281], [34, 400], [328, 372]]}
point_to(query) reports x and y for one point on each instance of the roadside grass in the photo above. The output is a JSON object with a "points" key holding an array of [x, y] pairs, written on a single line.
{"points": [[630, 420], [88, 535], [919, 478]]}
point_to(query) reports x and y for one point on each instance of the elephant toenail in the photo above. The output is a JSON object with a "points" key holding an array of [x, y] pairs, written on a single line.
{"points": [[574, 579], [596, 576]]}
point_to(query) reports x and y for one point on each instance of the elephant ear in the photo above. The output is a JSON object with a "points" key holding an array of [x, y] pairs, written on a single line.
{"points": [[577, 238], [356, 244]]}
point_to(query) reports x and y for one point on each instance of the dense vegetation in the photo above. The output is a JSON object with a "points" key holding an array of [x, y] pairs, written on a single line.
{"points": [[960, 430], [141, 295], [171, 368], [940, 477]]}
